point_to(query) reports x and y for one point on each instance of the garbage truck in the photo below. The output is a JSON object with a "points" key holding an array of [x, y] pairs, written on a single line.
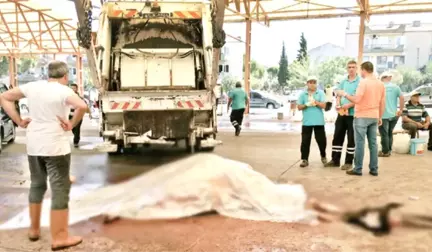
{"points": [[154, 66]]}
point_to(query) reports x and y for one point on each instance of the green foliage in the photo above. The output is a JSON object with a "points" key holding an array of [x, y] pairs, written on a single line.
{"points": [[283, 73], [26, 64], [427, 73], [302, 52], [257, 70], [273, 72], [299, 71], [331, 71], [411, 78], [228, 83], [4, 66]]}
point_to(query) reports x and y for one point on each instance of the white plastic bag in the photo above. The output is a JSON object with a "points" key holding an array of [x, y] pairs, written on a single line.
{"points": [[401, 143]]}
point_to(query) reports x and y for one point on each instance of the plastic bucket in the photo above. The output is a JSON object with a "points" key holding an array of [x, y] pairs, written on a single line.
{"points": [[417, 146]]}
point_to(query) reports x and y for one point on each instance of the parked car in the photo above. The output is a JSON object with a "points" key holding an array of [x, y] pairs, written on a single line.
{"points": [[7, 126], [425, 94], [261, 100]]}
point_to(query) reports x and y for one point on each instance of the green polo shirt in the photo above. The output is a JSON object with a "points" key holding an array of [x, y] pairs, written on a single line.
{"points": [[312, 116], [238, 97], [415, 112], [392, 94], [350, 87]]}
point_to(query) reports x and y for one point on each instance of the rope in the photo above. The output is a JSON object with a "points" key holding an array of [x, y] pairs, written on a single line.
{"points": [[286, 170]]}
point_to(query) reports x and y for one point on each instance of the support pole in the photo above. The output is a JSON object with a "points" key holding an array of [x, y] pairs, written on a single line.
{"points": [[361, 38], [13, 81], [79, 74], [248, 59]]}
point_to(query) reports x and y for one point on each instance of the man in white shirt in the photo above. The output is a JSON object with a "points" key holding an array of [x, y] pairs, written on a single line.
{"points": [[48, 147]]}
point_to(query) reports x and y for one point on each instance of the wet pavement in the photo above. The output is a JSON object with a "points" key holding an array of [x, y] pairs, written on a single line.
{"points": [[269, 151]]}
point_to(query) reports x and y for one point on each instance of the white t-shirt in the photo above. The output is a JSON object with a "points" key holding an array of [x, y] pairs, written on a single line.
{"points": [[46, 101]]}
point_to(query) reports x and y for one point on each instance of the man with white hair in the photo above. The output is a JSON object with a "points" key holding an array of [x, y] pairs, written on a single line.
{"points": [[391, 113], [48, 147]]}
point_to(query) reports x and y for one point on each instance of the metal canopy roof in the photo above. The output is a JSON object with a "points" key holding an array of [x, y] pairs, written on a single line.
{"points": [[264, 11], [29, 27]]}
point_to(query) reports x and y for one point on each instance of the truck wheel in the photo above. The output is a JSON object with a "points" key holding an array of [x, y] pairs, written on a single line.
{"points": [[13, 135]]}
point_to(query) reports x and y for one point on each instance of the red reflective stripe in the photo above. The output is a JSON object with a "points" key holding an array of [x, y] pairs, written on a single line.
{"points": [[137, 105], [179, 104], [117, 12], [131, 13], [194, 14], [125, 105], [200, 104], [190, 105], [179, 14], [114, 105]]}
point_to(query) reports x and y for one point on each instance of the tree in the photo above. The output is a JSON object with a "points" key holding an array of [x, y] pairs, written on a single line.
{"points": [[411, 78], [331, 71], [4, 66], [299, 71], [26, 64], [283, 73], [228, 83], [302, 52], [427, 73], [273, 72]]}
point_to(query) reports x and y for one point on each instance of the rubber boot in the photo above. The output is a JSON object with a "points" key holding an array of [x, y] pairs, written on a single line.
{"points": [[60, 238], [35, 210]]}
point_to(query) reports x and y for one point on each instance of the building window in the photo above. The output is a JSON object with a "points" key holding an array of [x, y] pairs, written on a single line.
{"points": [[226, 68], [399, 60], [430, 57], [74, 71], [381, 60], [366, 58], [220, 68]]}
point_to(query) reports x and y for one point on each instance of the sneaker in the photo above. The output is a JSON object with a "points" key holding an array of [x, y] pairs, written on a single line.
{"points": [[429, 148], [373, 173], [237, 131], [331, 164], [346, 167], [324, 160], [76, 145], [304, 163], [382, 154], [352, 172]]}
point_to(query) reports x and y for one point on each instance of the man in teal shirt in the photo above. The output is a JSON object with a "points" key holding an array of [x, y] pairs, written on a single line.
{"points": [[238, 101], [344, 120], [391, 114], [312, 102]]}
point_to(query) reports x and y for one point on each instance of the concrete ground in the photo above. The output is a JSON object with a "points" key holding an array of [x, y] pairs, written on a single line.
{"points": [[271, 153]]}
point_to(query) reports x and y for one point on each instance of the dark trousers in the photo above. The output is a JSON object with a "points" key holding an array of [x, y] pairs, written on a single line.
{"points": [[386, 133], [320, 138], [56, 168], [236, 117], [343, 126], [76, 132]]}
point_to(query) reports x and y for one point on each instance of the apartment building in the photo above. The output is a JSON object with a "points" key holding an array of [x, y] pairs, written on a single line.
{"points": [[391, 45], [231, 59]]}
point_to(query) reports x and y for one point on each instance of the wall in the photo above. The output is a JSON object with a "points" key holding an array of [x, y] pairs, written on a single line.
{"points": [[232, 55], [414, 41]]}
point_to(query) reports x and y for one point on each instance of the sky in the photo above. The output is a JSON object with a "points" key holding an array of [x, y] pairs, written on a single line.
{"points": [[267, 41]]}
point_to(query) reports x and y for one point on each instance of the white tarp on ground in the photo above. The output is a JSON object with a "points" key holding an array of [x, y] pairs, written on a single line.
{"points": [[187, 187]]}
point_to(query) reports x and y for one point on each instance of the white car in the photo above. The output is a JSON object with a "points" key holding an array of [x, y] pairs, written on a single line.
{"points": [[7, 126]]}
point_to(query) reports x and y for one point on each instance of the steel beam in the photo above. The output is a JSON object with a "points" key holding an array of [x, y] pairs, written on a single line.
{"points": [[247, 60]]}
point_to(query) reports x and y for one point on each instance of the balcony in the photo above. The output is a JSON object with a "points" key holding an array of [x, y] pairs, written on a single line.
{"points": [[378, 48]]}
